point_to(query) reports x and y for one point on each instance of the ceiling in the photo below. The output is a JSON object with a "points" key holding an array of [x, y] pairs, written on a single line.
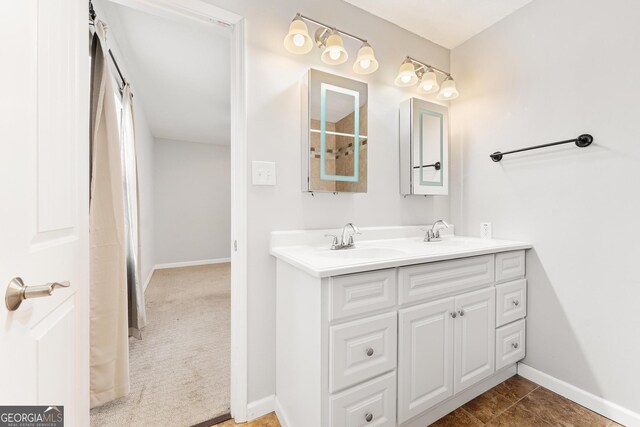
{"points": [[179, 71], [448, 23]]}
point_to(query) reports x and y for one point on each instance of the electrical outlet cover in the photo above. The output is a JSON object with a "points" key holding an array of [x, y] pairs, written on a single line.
{"points": [[485, 230]]}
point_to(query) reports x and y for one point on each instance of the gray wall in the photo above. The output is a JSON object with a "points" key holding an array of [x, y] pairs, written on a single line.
{"points": [[274, 134], [551, 71], [145, 157], [192, 201]]}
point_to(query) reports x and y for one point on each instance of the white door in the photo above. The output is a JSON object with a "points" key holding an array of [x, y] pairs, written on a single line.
{"points": [[474, 337], [44, 205], [425, 357]]}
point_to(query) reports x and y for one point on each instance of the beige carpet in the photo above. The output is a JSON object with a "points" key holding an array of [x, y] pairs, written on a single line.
{"points": [[180, 371]]}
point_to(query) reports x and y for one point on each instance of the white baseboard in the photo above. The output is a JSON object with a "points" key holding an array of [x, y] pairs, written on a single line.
{"points": [[261, 407], [282, 417], [191, 263], [183, 264], [597, 404], [148, 280]]}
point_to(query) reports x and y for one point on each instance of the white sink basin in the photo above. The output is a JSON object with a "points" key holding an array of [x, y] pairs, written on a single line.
{"points": [[362, 253], [459, 242]]}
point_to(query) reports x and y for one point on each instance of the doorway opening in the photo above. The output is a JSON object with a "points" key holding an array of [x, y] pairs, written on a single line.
{"points": [[190, 201]]}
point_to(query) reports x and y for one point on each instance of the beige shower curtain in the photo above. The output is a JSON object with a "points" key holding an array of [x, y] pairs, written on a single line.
{"points": [[109, 351]]}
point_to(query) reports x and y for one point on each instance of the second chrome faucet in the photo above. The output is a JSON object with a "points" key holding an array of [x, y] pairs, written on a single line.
{"points": [[433, 234], [346, 240]]}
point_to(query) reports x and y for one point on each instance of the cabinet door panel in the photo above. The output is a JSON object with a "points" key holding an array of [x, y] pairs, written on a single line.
{"points": [[474, 338], [511, 301], [510, 265], [510, 344], [362, 349], [361, 293], [425, 372], [437, 280], [374, 401]]}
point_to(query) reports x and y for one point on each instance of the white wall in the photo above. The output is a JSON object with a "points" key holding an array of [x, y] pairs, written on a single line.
{"points": [[192, 201], [274, 135], [551, 71], [145, 157]]}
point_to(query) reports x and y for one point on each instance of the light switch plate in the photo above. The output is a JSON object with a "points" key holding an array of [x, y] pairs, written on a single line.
{"points": [[263, 173], [485, 230]]}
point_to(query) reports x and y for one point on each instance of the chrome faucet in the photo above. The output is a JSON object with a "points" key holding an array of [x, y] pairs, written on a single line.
{"points": [[348, 231], [433, 234]]}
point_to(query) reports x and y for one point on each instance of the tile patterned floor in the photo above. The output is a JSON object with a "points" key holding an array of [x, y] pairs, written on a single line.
{"points": [[517, 402]]}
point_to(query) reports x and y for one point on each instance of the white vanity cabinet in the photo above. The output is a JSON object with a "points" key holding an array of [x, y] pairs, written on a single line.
{"points": [[445, 346], [399, 346]]}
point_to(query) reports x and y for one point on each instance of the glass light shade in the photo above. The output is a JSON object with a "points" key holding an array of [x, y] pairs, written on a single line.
{"points": [[366, 62], [334, 52], [407, 75], [448, 90], [297, 40], [429, 83]]}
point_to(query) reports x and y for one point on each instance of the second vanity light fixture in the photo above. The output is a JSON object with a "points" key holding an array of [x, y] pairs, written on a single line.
{"points": [[329, 39], [413, 71]]}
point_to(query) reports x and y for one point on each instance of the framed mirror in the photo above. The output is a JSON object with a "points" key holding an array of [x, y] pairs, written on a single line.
{"points": [[334, 134], [424, 148]]}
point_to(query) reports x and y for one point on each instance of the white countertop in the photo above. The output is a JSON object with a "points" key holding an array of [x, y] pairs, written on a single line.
{"points": [[377, 248]]}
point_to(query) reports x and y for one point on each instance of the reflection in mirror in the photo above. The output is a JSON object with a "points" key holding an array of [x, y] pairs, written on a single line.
{"points": [[428, 150], [336, 140], [423, 148]]}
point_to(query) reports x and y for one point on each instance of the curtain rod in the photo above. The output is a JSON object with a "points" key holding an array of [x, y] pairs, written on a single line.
{"points": [[92, 18]]}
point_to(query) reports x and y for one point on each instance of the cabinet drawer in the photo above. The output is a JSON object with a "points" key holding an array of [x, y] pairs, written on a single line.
{"points": [[510, 344], [509, 266], [438, 279], [361, 350], [361, 293], [374, 401], [511, 301]]}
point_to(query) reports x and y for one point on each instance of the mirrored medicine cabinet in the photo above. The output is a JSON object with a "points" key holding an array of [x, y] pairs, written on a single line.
{"points": [[424, 148], [334, 134]]}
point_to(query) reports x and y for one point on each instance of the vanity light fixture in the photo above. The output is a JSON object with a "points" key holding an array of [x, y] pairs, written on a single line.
{"points": [[366, 62], [334, 52], [330, 40], [429, 82], [298, 40], [413, 71], [448, 89], [407, 75]]}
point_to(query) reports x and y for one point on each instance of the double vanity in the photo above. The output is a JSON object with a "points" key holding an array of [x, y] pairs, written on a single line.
{"points": [[395, 330]]}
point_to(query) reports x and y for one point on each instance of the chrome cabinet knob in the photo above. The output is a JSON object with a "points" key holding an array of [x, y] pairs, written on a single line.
{"points": [[454, 314], [516, 302], [461, 312], [17, 292], [369, 351], [368, 418], [515, 345]]}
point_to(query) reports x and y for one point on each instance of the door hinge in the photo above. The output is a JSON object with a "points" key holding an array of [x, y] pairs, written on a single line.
{"points": [[235, 245]]}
